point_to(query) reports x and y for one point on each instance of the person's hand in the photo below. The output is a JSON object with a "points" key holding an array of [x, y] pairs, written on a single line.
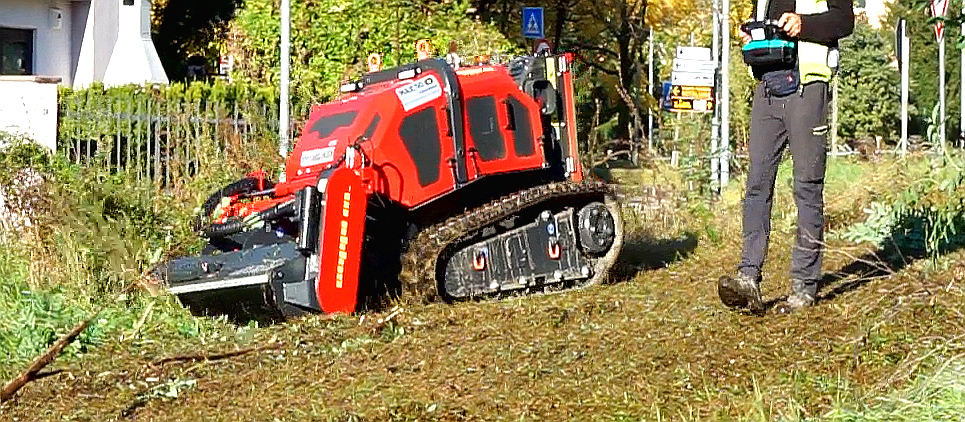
{"points": [[791, 23], [745, 37]]}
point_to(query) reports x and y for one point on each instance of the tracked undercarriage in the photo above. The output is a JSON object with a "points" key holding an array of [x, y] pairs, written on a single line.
{"points": [[544, 239]]}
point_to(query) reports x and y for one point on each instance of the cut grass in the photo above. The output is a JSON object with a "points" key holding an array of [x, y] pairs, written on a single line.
{"points": [[658, 346]]}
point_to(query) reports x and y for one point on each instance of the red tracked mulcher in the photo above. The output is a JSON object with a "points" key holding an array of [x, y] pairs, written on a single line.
{"points": [[420, 181]]}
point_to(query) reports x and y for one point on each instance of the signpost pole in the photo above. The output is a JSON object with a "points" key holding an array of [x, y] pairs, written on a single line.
{"points": [[725, 95], [283, 113], [941, 93], [715, 120], [938, 9], [834, 116], [905, 44], [650, 78]]}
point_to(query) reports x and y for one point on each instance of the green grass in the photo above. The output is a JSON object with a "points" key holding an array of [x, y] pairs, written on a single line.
{"points": [[92, 235], [939, 396], [32, 318], [654, 345]]}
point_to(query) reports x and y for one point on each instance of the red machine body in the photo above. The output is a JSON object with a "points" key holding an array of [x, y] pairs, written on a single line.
{"points": [[343, 223], [412, 145]]}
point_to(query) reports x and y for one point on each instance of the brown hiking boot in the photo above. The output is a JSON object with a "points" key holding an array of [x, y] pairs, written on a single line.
{"points": [[803, 294], [740, 291], [795, 302]]}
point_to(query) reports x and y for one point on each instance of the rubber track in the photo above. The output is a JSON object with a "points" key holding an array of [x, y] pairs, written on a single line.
{"points": [[418, 275]]}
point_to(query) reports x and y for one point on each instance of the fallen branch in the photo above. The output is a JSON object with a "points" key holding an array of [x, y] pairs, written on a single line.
{"points": [[609, 156], [215, 356], [46, 358], [43, 360]]}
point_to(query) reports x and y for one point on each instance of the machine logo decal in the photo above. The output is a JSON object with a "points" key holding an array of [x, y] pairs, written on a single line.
{"points": [[343, 240], [317, 156], [419, 92]]}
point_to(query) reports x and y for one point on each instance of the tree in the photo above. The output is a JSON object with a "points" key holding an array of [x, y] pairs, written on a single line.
{"points": [[609, 38], [612, 41], [869, 97], [187, 27], [331, 39]]}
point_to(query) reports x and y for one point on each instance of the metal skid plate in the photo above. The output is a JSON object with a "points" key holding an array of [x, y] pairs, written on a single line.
{"points": [[541, 253]]}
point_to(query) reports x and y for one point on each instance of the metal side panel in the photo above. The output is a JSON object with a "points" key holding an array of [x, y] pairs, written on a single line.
{"points": [[540, 253], [343, 229], [219, 284]]}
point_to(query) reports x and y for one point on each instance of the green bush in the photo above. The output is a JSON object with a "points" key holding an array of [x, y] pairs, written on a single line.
{"points": [[869, 94], [926, 214], [331, 39]]}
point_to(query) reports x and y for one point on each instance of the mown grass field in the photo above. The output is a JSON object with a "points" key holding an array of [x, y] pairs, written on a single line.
{"points": [[884, 342]]}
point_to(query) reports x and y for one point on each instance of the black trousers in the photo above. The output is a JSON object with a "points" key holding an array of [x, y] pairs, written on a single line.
{"points": [[798, 121]]}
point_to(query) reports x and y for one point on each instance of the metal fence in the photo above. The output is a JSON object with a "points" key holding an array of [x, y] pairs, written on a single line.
{"points": [[169, 138]]}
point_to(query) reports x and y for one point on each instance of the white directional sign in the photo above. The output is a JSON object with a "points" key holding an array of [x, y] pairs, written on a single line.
{"points": [[692, 80], [703, 66], [693, 67], [693, 53]]}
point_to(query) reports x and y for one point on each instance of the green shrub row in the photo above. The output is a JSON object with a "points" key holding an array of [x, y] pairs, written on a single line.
{"points": [[174, 134]]}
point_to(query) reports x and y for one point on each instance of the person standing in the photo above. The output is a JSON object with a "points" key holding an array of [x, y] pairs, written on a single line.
{"points": [[789, 110]]}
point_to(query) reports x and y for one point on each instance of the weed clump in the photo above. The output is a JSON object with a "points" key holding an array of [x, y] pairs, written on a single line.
{"points": [[71, 238]]}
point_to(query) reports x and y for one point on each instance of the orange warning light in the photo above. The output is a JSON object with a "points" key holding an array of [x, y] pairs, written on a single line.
{"points": [[422, 49], [375, 62]]}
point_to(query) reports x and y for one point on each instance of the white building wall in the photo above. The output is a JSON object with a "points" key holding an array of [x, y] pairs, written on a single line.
{"points": [[51, 49], [97, 45], [78, 24], [134, 59], [117, 48], [28, 107]]}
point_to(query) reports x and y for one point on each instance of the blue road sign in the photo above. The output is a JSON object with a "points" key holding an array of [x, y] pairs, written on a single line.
{"points": [[665, 96], [533, 22]]}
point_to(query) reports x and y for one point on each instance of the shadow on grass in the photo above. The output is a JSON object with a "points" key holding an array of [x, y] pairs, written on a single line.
{"points": [[903, 247], [644, 254], [859, 272], [605, 174]]}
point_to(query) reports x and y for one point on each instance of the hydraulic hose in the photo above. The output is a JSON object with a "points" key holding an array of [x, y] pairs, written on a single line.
{"points": [[217, 230], [243, 187]]}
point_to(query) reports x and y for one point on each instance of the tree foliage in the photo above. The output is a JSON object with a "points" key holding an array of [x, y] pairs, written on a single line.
{"points": [[610, 40], [186, 27], [331, 39], [869, 95]]}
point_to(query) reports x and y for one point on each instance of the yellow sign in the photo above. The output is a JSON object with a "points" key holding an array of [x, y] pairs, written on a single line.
{"points": [[695, 92], [691, 98], [688, 104], [423, 49]]}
